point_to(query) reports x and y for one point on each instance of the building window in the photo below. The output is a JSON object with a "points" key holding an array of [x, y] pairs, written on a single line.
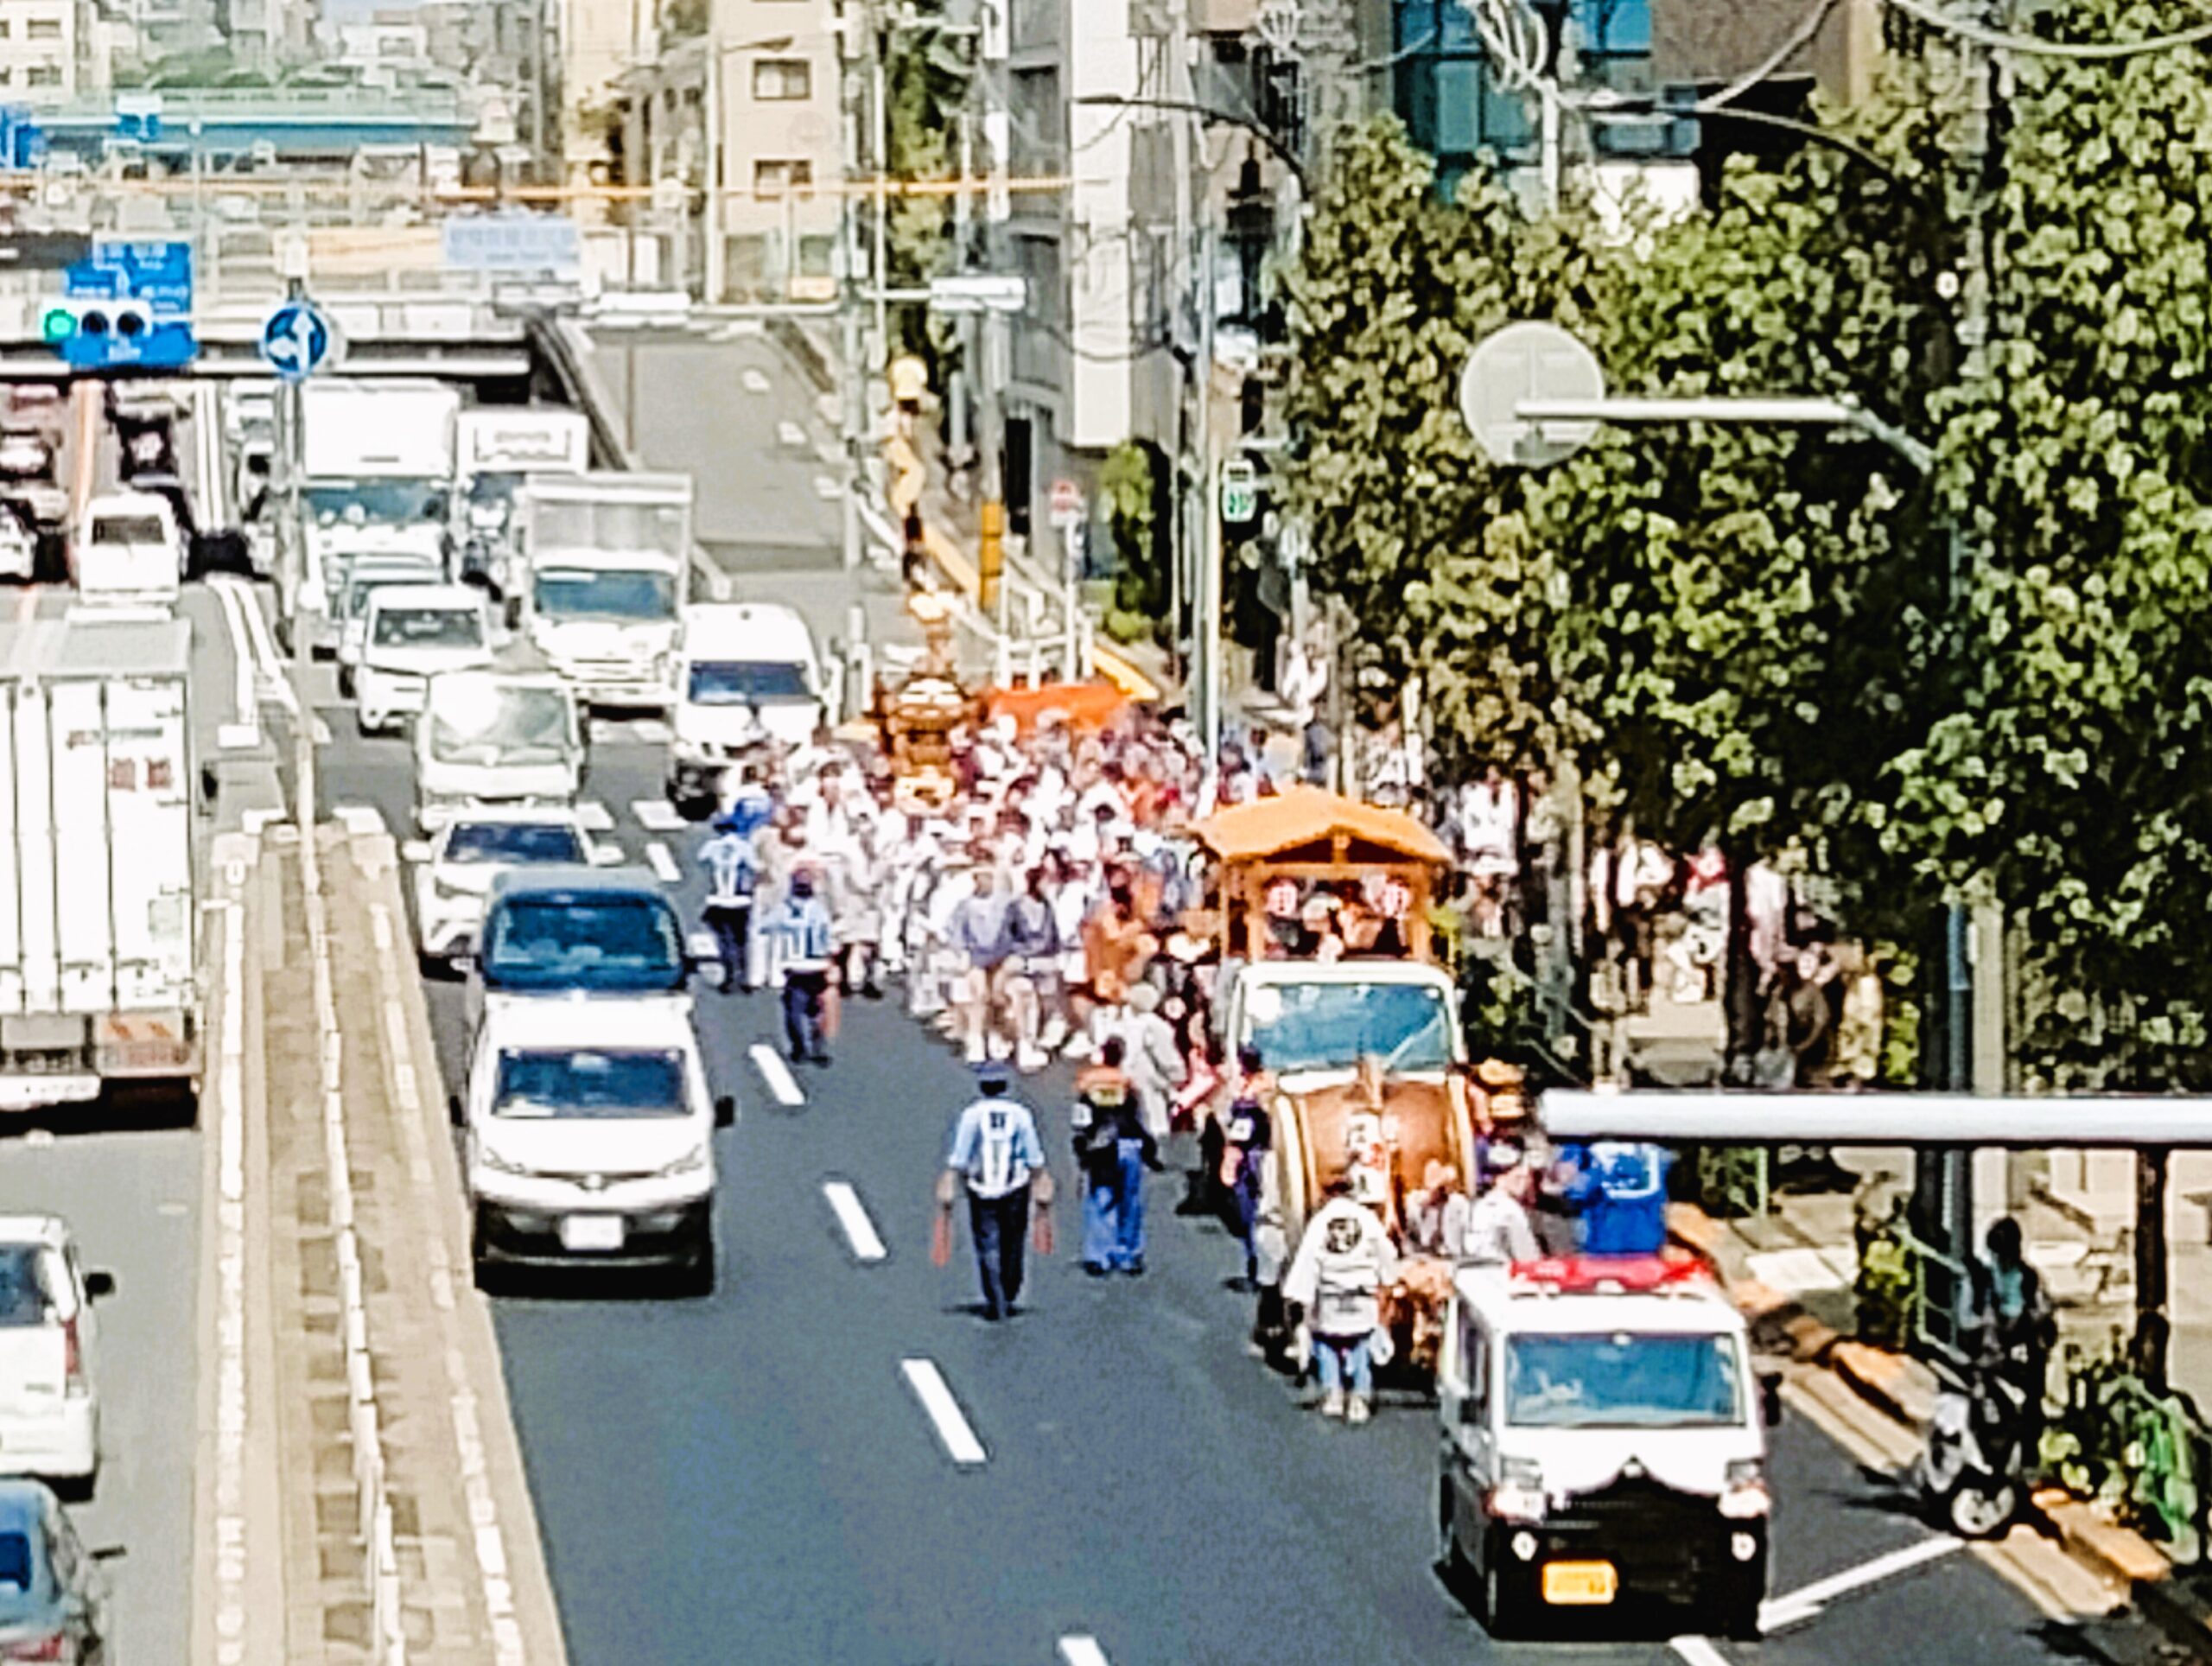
{"points": [[42, 75], [773, 178], [7, 75], [3, 29], [777, 79], [42, 28]]}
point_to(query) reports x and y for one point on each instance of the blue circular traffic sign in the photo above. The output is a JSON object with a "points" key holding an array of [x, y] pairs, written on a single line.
{"points": [[296, 340]]}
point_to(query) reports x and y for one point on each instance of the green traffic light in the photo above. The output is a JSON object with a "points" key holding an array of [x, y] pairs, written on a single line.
{"points": [[57, 324]]}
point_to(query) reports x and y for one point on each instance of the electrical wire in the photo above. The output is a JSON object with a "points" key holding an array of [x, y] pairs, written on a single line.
{"points": [[2035, 46]]}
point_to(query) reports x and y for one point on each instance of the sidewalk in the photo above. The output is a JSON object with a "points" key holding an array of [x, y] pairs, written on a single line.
{"points": [[1791, 1272]]}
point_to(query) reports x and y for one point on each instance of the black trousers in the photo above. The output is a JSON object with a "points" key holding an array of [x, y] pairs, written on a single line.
{"points": [[732, 924], [999, 1226]]}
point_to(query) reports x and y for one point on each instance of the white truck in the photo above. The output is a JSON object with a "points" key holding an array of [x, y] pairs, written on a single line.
{"points": [[377, 460], [128, 551], [497, 450], [495, 737], [605, 555], [747, 672], [97, 969]]}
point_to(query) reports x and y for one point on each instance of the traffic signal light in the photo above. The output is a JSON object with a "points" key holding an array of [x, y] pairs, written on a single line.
{"points": [[118, 324]]}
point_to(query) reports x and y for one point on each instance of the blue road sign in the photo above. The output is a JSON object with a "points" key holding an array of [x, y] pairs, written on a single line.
{"points": [[170, 345], [159, 274], [296, 340]]}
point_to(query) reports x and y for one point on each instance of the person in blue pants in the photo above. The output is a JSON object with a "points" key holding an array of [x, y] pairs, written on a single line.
{"points": [[1102, 1090]]}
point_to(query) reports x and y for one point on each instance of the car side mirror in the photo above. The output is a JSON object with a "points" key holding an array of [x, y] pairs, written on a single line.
{"points": [[1771, 1398], [415, 850], [98, 1285], [726, 1111], [455, 1113]]}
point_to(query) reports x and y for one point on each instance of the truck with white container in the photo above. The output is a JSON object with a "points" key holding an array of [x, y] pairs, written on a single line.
{"points": [[498, 449], [378, 462], [98, 980], [605, 556]]}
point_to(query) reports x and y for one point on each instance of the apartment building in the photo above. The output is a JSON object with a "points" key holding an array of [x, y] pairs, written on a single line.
{"points": [[45, 51], [751, 106]]}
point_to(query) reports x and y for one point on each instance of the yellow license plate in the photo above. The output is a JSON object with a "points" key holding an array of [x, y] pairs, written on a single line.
{"points": [[1580, 1584]]}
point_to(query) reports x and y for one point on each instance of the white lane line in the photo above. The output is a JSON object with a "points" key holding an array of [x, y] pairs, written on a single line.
{"points": [[656, 816], [661, 862], [595, 817], [951, 1423], [845, 1204], [1083, 1649], [753, 380], [264, 649], [777, 1074], [1697, 1651], [244, 698], [1800, 1605]]}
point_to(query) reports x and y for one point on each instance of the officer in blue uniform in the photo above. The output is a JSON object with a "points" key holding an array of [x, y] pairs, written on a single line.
{"points": [[997, 1158]]}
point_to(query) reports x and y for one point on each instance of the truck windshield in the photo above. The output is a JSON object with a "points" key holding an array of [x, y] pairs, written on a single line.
{"points": [[430, 628], [1622, 1381], [398, 501], [745, 683], [514, 844], [129, 530], [1301, 1027], [609, 943], [485, 723], [588, 524], [360, 590], [570, 593], [630, 1082]]}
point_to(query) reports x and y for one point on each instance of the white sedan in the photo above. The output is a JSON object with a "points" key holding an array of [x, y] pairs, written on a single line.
{"points": [[454, 870], [49, 1410]]}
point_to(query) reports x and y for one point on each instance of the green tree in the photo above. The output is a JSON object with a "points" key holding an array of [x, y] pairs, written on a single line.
{"points": [[1132, 487]]}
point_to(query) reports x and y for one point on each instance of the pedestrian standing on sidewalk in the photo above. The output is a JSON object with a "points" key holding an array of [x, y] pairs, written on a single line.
{"points": [[996, 1158], [731, 871], [801, 943], [1342, 1263]]}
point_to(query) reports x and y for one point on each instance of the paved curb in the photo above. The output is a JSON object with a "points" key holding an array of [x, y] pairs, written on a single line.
{"points": [[1878, 1376]]}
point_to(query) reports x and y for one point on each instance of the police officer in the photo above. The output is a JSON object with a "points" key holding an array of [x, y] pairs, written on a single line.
{"points": [[733, 869], [799, 939], [997, 1155]]}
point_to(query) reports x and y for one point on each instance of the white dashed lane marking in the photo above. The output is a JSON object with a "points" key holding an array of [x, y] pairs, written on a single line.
{"points": [[943, 1411], [1800, 1605], [661, 862], [656, 816], [777, 1074], [860, 1231], [594, 816], [1082, 1650]]}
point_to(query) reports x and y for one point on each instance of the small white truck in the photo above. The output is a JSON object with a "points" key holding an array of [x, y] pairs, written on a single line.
{"points": [[98, 971], [491, 737], [498, 449], [606, 557]]}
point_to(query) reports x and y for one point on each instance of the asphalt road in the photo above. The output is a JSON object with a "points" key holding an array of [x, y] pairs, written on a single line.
{"points": [[753, 1476]]}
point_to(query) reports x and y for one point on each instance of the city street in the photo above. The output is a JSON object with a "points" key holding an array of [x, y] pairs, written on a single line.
{"points": [[762, 1466]]}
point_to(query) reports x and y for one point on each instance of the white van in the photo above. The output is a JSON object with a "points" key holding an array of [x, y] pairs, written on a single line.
{"points": [[590, 1138], [1603, 1436], [747, 672], [129, 549], [413, 632]]}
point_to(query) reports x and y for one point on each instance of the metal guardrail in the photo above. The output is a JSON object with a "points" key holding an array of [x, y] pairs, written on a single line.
{"points": [[179, 103]]}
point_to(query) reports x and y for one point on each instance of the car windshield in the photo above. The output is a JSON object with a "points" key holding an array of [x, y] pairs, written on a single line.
{"points": [[745, 683], [22, 1286], [394, 501], [429, 627], [129, 530], [1333, 1025], [604, 944], [517, 844], [486, 723], [1623, 1380], [568, 593], [577, 1086]]}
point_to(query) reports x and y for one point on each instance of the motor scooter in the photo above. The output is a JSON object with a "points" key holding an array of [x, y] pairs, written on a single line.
{"points": [[1972, 1474]]}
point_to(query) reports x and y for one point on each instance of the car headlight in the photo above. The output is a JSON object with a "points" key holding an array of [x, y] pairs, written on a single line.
{"points": [[444, 893], [1519, 1494], [491, 1157], [1745, 1497], [693, 1161]]}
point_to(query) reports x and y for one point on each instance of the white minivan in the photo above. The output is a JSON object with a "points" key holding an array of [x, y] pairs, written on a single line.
{"points": [[128, 549], [49, 1411], [413, 632], [747, 672], [590, 1138]]}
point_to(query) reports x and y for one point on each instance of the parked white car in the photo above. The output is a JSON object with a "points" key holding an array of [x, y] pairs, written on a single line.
{"points": [[590, 1139], [49, 1410], [413, 632], [454, 870]]}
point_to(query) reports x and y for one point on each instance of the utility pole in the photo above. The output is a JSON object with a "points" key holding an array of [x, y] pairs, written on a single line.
{"points": [[1188, 539], [996, 366], [853, 29], [1206, 628], [879, 99]]}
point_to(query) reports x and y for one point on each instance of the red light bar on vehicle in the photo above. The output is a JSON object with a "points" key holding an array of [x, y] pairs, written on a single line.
{"points": [[1610, 1274]]}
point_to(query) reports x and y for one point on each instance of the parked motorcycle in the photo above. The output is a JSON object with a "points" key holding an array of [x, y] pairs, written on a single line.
{"points": [[1972, 1474]]}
